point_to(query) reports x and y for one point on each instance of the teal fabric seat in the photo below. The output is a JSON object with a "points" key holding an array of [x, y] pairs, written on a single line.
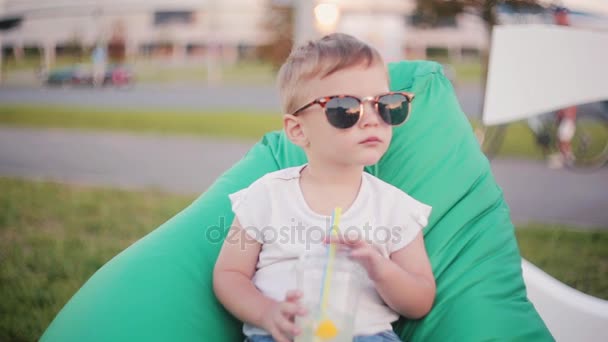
{"points": [[160, 288]]}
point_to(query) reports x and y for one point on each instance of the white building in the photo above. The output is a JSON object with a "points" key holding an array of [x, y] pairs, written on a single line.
{"points": [[180, 26], [195, 27], [388, 25], [185, 27]]}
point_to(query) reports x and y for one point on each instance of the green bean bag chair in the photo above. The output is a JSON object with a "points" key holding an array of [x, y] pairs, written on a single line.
{"points": [[160, 288]]}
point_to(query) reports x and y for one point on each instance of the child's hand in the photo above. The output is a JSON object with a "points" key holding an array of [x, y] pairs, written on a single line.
{"points": [[362, 252], [279, 320]]}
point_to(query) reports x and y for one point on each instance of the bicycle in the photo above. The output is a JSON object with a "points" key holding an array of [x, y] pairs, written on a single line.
{"points": [[589, 143]]}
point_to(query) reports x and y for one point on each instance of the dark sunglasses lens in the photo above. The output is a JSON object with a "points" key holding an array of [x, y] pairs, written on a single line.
{"points": [[342, 112], [393, 108]]}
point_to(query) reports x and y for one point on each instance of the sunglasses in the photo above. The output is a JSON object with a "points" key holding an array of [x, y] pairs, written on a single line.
{"points": [[344, 111]]}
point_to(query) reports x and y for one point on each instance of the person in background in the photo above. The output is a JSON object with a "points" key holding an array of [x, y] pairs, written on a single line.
{"points": [[99, 58], [566, 117]]}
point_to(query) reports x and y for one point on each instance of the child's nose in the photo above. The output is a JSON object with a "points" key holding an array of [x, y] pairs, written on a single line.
{"points": [[370, 116]]}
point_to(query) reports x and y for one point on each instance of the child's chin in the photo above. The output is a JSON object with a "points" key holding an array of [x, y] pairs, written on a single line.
{"points": [[370, 160]]}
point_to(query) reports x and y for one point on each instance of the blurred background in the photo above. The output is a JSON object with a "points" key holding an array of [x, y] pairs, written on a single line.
{"points": [[115, 115]]}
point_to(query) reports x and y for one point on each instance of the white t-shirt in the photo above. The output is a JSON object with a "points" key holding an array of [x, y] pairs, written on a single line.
{"points": [[273, 211]]}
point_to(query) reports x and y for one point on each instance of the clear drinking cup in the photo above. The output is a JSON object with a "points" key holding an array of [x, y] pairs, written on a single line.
{"points": [[335, 321]]}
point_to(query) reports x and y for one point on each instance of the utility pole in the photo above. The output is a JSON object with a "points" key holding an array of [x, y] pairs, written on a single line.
{"points": [[214, 45], [304, 28]]}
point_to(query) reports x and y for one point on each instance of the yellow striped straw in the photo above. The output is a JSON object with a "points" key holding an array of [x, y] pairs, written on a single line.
{"points": [[330, 261]]}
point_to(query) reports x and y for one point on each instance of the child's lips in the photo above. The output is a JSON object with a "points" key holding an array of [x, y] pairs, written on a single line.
{"points": [[370, 140]]}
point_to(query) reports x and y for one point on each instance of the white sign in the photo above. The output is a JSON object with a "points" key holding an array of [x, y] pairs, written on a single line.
{"points": [[535, 69]]}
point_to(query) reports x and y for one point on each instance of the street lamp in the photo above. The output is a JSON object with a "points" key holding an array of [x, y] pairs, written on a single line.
{"points": [[326, 17], [313, 18]]}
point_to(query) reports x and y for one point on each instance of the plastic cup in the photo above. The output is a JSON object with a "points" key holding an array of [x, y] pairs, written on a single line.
{"points": [[336, 322]]}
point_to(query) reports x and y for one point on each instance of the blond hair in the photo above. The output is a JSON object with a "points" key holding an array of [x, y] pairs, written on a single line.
{"points": [[321, 58]]}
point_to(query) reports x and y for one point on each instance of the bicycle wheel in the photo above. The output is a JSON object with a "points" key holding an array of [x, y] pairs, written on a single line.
{"points": [[491, 138], [590, 143]]}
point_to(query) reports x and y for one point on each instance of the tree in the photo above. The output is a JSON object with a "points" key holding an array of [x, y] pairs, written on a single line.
{"points": [[279, 24], [74, 47], [117, 45], [429, 12]]}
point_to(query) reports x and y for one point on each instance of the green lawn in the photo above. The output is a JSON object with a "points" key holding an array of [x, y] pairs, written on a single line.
{"points": [[578, 258], [53, 237], [218, 123], [235, 124], [157, 71], [468, 72], [33, 63], [245, 72], [241, 73], [519, 141]]}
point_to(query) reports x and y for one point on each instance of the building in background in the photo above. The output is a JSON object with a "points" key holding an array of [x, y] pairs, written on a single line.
{"points": [[229, 30], [392, 26], [162, 28]]}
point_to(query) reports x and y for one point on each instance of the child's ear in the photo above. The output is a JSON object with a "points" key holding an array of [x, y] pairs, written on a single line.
{"points": [[293, 130]]}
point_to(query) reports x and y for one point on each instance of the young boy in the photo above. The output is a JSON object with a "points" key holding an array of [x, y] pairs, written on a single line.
{"points": [[339, 111]]}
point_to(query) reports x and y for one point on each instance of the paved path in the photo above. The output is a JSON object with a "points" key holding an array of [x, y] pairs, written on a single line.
{"points": [[190, 165], [194, 97], [176, 164], [536, 193], [189, 97]]}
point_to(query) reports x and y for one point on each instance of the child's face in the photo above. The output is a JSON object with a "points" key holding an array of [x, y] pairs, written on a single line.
{"points": [[366, 141]]}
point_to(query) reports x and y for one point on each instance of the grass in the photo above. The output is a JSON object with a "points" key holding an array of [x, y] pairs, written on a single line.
{"points": [[32, 63], [577, 258], [195, 71], [519, 141], [240, 73], [192, 71], [210, 123], [159, 70], [468, 72], [464, 71], [53, 237]]}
